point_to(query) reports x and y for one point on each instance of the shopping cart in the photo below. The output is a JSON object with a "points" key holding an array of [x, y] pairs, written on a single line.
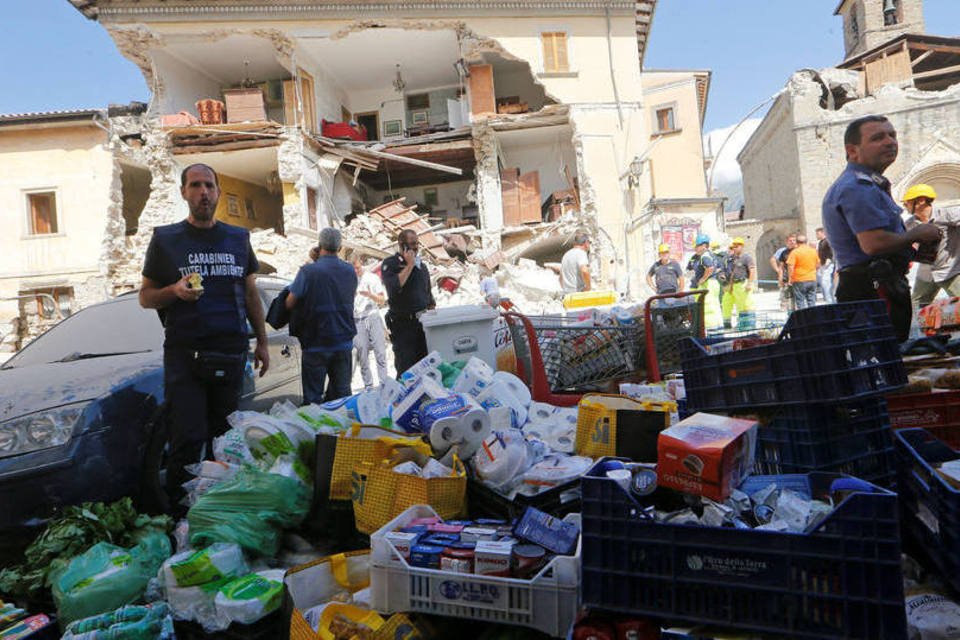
{"points": [[668, 319], [560, 358]]}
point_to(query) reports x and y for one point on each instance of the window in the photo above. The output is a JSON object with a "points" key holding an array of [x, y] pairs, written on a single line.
{"points": [[430, 198], [418, 102], [665, 119], [555, 52], [42, 213]]}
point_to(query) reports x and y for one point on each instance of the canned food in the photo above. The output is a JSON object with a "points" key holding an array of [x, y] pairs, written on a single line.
{"points": [[528, 559], [457, 560], [644, 482]]}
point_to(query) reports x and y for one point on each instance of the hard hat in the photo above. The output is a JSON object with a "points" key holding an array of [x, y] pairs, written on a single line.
{"points": [[737, 240], [663, 248], [920, 191], [702, 239], [714, 244]]}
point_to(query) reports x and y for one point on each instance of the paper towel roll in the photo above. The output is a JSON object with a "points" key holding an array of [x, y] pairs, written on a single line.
{"points": [[515, 385], [419, 370], [474, 378], [497, 394], [562, 441], [540, 412], [567, 415]]}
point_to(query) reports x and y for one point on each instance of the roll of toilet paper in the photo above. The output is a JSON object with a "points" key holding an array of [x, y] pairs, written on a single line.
{"points": [[474, 378], [562, 441], [516, 386], [421, 368], [497, 394], [455, 420], [540, 412], [567, 416]]}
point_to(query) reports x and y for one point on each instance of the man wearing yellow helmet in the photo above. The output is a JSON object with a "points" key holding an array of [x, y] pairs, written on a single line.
{"points": [[741, 280], [665, 276], [943, 272]]}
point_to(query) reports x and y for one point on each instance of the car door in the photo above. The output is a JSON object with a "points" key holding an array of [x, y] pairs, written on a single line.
{"points": [[282, 380]]}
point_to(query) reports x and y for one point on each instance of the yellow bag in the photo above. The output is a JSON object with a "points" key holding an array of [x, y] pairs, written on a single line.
{"points": [[376, 445], [380, 495], [609, 425]]}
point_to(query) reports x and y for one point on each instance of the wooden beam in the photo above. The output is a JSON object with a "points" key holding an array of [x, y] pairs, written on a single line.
{"points": [[923, 56], [226, 146], [941, 48], [937, 72], [415, 162]]}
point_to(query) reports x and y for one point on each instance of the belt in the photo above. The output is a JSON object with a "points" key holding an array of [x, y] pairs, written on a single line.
{"points": [[402, 316]]}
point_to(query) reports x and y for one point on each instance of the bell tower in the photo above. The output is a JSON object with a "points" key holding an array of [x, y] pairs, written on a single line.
{"points": [[870, 23]]}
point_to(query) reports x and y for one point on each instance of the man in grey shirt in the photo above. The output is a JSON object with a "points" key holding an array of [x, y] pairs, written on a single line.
{"points": [[575, 266], [943, 273]]}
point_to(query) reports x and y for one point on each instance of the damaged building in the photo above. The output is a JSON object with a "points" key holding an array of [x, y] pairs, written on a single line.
{"points": [[891, 68], [498, 129]]}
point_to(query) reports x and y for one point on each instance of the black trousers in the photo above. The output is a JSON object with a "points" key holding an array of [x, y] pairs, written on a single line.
{"points": [[197, 414], [857, 285], [408, 341]]}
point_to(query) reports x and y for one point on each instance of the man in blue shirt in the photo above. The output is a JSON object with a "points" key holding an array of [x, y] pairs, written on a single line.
{"points": [[321, 297], [871, 247], [199, 275]]}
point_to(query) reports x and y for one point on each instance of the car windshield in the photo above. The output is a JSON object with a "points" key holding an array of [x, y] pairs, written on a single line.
{"points": [[118, 326]]}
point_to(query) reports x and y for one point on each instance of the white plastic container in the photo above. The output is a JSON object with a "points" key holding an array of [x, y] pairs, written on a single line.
{"points": [[461, 332], [547, 602]]}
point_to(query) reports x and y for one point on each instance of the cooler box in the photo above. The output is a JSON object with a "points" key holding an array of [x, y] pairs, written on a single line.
{"points": [[589, 299], [460, 333]]}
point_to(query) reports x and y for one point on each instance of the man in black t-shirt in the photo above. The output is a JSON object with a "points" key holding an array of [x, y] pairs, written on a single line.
{"points": [[665, 276], [409, 294], [199, 276]]}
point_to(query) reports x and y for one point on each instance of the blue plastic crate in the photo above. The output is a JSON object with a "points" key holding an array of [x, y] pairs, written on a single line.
{"points": [[853, 438], [843, 580], [930, 504], [831, 353]]}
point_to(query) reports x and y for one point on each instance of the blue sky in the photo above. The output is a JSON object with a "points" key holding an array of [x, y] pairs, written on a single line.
{"points": [[54, 58]]}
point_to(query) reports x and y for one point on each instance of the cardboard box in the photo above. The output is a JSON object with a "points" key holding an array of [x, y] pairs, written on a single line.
{"points": [[706, 454]]}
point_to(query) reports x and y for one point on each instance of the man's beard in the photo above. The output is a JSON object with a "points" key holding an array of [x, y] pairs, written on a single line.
{"points": [[204, 212]]}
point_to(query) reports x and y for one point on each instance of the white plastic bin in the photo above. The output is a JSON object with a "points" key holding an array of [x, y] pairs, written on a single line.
{"points": [[460, 333], [547, 602]]}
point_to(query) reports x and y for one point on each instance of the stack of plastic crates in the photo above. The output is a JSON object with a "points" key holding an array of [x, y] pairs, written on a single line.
{"points": [[840, 580], [818, 390], [930, 504]]}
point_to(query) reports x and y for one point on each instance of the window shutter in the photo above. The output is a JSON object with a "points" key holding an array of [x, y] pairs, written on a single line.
{"points": [[43, 213], [554, 51]]}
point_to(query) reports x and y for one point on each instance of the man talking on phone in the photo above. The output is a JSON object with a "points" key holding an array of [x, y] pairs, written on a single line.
{"points": [[409, 294]]}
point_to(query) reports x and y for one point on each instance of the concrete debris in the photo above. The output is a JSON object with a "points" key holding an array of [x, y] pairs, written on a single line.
{"points": [[533, 289]]}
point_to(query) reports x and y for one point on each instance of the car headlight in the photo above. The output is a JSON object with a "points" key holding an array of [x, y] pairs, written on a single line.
{"points": [[40, 430]]}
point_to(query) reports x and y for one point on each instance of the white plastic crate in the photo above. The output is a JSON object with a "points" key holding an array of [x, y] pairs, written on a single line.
{"points": [[548, 602]]}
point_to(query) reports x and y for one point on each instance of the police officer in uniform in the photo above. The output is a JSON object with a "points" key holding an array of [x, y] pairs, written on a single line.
{"points": [[199, 274], [863, 224], [409, 294]]}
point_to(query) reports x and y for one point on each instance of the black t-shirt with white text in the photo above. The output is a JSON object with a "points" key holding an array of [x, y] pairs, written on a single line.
{"points": [[223, 257]]}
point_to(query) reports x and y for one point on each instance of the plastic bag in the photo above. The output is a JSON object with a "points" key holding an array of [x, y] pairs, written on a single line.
{"points": [[192, 568], [251, 597], [106, 577], [269, 437], [231, 448], [249, 510], [134, 622]]}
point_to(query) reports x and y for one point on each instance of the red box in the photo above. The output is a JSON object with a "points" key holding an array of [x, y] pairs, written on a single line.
{"points": [[706, 454], [938, 412]]}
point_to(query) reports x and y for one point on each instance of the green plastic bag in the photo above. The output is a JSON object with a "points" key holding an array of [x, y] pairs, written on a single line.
{"points": [[450, 371], [132, 622], [250, 510], [106, 577]]}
